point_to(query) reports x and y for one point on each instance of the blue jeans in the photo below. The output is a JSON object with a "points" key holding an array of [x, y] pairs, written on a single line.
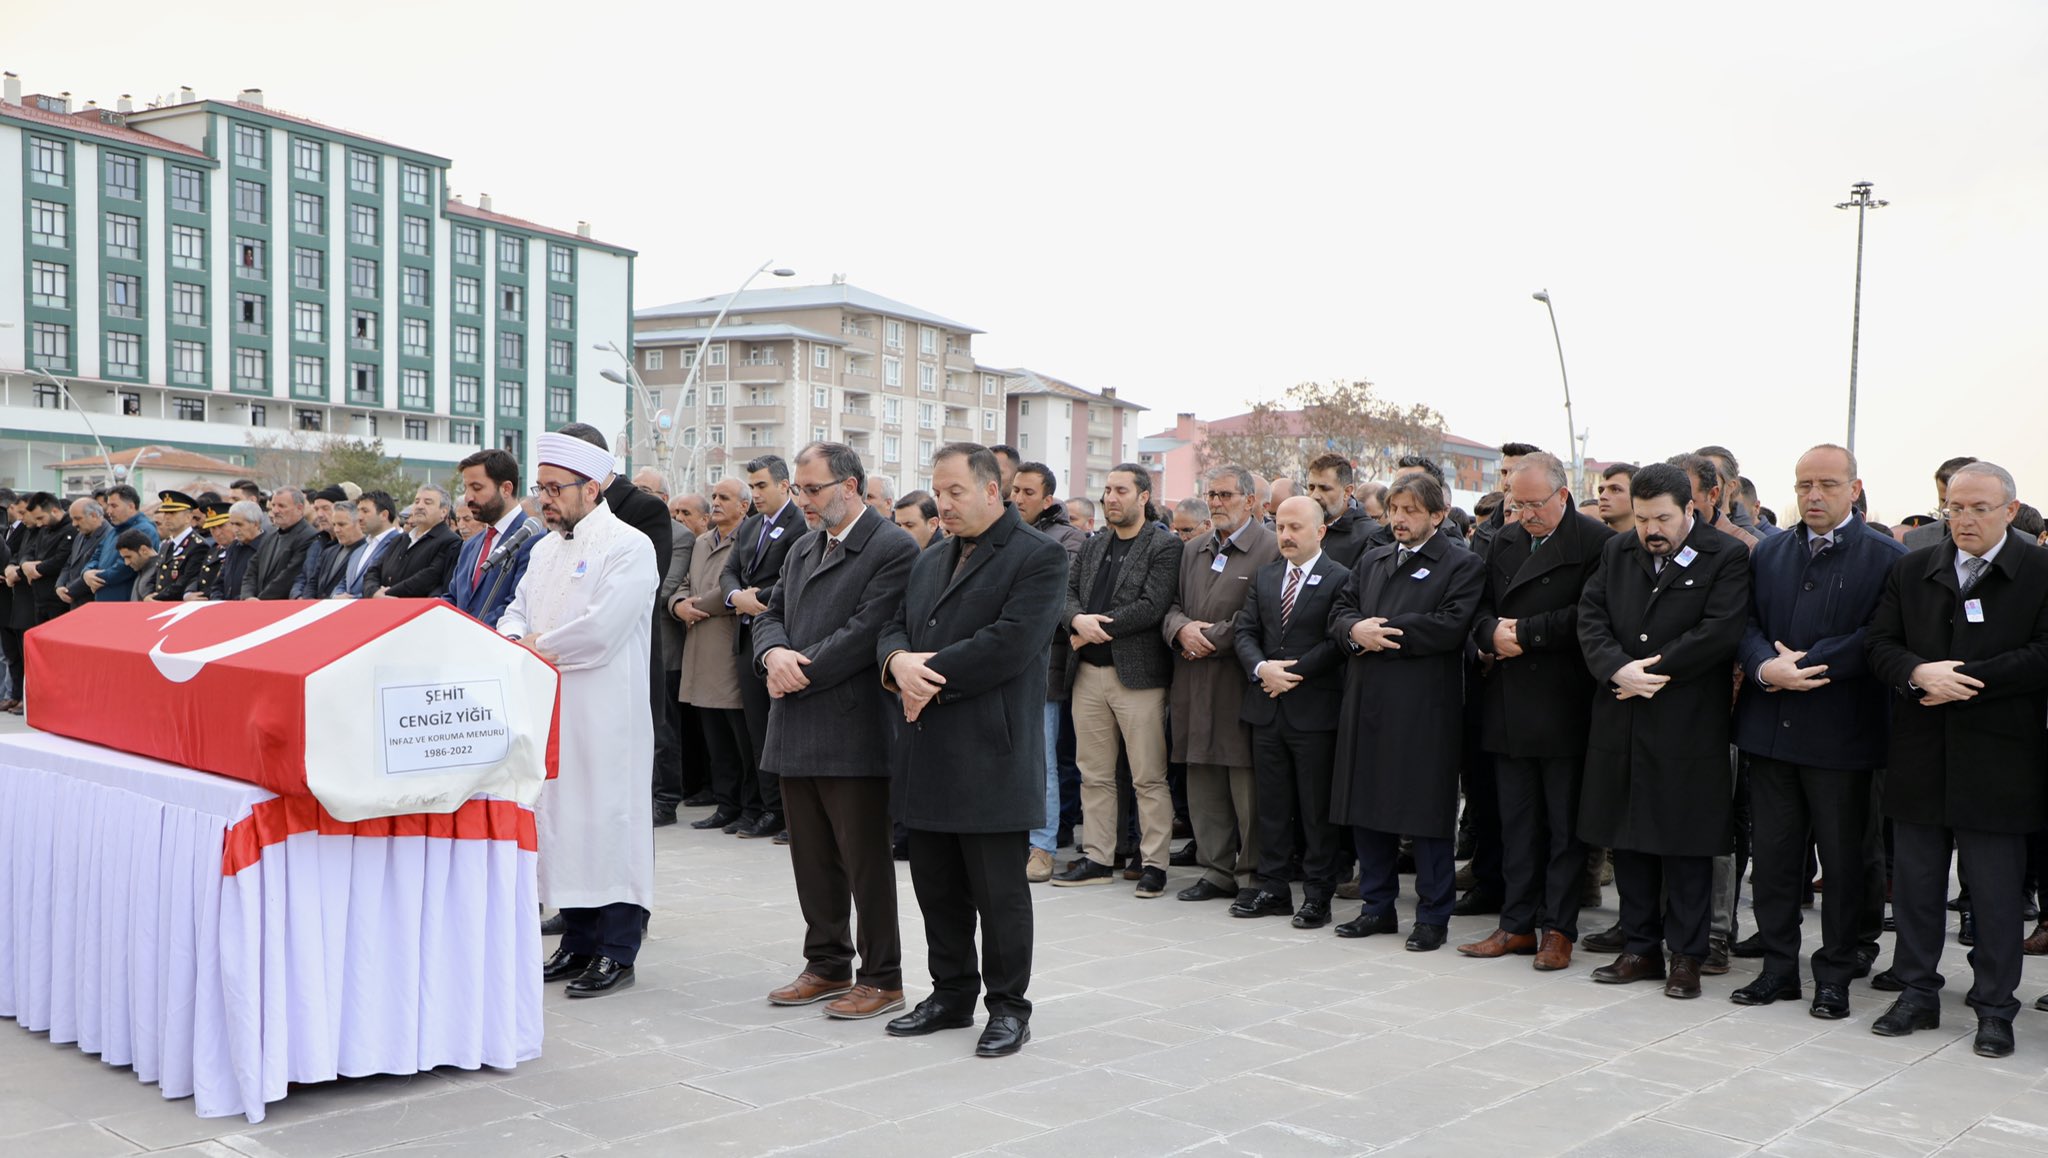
{"points": [[1044, 836]]}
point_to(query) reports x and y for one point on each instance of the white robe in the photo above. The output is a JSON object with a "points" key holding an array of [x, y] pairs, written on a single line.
{"points": [[585, 601]]}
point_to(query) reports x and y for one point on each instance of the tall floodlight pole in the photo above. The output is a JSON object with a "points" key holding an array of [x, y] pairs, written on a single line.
{"points": [[1571, 427], [1860, 200]]}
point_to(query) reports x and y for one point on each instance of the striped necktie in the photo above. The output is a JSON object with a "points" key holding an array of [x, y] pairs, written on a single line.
{"points": [[1287, 596]]}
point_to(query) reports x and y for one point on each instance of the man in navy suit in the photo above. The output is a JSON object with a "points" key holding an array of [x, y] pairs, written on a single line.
{"points": [[490, 481]]}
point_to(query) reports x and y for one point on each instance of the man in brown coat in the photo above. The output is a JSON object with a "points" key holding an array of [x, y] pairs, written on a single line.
{"points": [[708, 681], [1208, 686]]}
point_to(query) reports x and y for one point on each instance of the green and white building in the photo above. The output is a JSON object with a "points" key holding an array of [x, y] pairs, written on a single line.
{"points": [[210, 274]]}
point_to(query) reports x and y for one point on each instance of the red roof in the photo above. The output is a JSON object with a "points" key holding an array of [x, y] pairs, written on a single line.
{"points": [[92, 126], [236, 106], [463, 209], [160, 458], [1454, 440]]}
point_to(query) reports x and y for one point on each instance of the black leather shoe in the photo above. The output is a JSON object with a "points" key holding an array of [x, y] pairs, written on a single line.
{"points": [[930, 1016], [664, 815], [1426, 938], [1750, 946], [1260, 903], [700, 800], [1151, 883], [1767, 987], [1865, 958], [602, 976], [1830, 1002], [1477, 903], [1316, 914], [718, 819], [739, 824], [564, 964], [1608, 940], [1203, 890], [1888, 982], [554, 926], [1365, 925], [1004, 1036], [1185, 857], [1994, 1037], [2041, 1003], [768, 825], [782, 838], [1966, 929], [1903, 1018], [1716, 962], [1084, 872]]}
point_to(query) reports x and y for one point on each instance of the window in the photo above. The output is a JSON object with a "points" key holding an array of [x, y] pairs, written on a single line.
{"points": [[259, 414], [561, 311], [188, 304], [188, 362], [561, 263], [654, 359], [821, 397], [362, 277], [511, 396], [249, 201], [124, 236], [716, 356], [892, 332], [466, 245], [892, 372], [48, 162], [511, 304], [1024, 442], [819, 434], [716, 434], [49, 224], [251, 312], [466, 342], [926, 415], [362, 329], [188, 247], [512, 254], [49, 284], [123, 175], [714, 395], [248, 145], [416, 429], [924, 451], [559, 357], [309, 375], [307, 419], [1023, 407], [413, 337], [821, 357], [927, 379], [309, 160], [362, 172], [512, 351], [761, 396], [989, 385], [891, 448], [124, 357], [468, 391], [309, 321], [927, 340], [412, 390], [412, 286], [988, 420], [309, 269], [252, 368], [309, 213], [413, 183], [561, 400], [362, 383], [465, 433], [762, 354], [415, 238], [362, 224], [188, 190], [124, 296], [251, 253], [189, 409], [892, 411], [50, 398], [468, 295]]}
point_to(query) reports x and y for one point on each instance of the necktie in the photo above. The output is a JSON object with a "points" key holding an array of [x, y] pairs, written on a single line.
{"points": [[1287, 596], [1401, 558], [831, 545], [1537, 543], [761, 543], [1817, 544], [1661, 560], [1976, 567], [476, 576], [967, 546]]}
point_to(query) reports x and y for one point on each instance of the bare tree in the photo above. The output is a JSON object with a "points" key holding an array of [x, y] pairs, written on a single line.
{"points": [[1350, 419], [1265, 442]]}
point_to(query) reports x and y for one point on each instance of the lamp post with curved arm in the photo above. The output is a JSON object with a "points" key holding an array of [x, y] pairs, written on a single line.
{"points": [[1571, 437], [1861, 201], [105, 458], [695, 483], [650, 413]]}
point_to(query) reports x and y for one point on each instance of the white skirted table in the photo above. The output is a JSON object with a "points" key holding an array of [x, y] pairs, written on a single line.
{"points": [[225, 942]]}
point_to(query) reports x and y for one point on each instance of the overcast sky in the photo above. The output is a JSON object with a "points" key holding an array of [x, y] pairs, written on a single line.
{"points": [[1201, 204]]}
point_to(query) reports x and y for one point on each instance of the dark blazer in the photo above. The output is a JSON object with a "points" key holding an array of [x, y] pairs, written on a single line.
{"points": [[644, 513], [668, 630], [234, 563], [280, 554], [418, 570], [471, 599], [757, 562], [1145, 588], [1657, 771], [333, 570], [179, 571], [1314, 703], [974, 760], [1400, 738], [1978, 764], [1537, 705], [307, 584], [1054, 524], [1821, 606], [48, 547], [833, 611], [1348, 536], [88, 550]]}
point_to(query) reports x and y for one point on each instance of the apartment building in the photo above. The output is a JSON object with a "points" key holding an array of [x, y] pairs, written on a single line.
{"points": [[200, 273], [790, 365], [1079, 433]]}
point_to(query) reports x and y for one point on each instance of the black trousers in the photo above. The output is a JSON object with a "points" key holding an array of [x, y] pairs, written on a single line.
{"points": [[1483, 811], [1070, 772], [11, 645], [1838, 808], [732, 760], [1436, 875], [1996, 862], [613, 930], [754, 702], [668, 750], [1291, 778], [839, 849], [696, 773], [964, 879], [1682, 885], [1543, 863]]}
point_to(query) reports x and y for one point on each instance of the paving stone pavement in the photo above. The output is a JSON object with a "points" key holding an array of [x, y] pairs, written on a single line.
{"points": [[1161, 1028]]}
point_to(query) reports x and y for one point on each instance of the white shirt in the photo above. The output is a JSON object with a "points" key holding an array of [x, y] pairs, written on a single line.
{"points": [[1305, 570], [1963, 573], [1832, 537], [839, 536]]}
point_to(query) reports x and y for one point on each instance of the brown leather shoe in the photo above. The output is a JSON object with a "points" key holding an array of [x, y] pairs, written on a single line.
{"points": [[1631, 967], [1556, 952], [1038, 866], [808, 988], [864, 1001], [1685, 977], [2036, 944], [1500, 943]]}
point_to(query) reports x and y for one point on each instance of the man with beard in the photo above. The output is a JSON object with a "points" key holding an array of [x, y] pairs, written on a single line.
{"points": [[1032, 489], [1347, 527], [490, 481]]}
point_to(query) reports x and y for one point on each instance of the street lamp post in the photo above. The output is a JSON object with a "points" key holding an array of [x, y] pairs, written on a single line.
{"points": [[1860, 200], [1571, 437], [695, 483], [105, 458], [650, 413]]}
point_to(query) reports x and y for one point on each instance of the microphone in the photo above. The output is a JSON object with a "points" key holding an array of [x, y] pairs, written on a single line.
{"points": [[512, 543]]}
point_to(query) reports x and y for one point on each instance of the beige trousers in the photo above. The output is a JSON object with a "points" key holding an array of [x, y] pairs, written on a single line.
{"points": [[1109, 717]]}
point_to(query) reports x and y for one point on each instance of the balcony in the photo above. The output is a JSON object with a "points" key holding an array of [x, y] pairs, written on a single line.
{"points": [[958, 433], [759, 372], [851, 330], [851, 421], [957, 358], [758, 415]]}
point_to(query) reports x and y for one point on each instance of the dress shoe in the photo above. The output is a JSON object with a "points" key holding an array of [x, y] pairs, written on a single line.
{"points": [[1312, 915], [1365, 925], [9, 705], [1348, 891], [1904, 1017], [1959, 902], [554, 926], [1426, 938], [1183, 828], [1466, 846], [1555, 952], [1003, 1036], [1084, 872], [1134, 868], [1888, 981], [1750, 946], [1685, 977], [1477, 903], [664, 815], [739, 824], [782, 838], [1994, 1037], [2041, 1003], [1038, 866], [1767, 987], [1186, 856], [1465, 879], [603, 976], [718, 819], [699, 800], [1204, 890], [864, 1001], [1151, 883], [1966, 929], [808, 988], [1500, 943], [1260, 903], [563, 965], [930, 1016], [1631, 967], [767, 826], [1831, 1001], [1609, 940], [1865, 957], [1716, 962], [2036, 944]]}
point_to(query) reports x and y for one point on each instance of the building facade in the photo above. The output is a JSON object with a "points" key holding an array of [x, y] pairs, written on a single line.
{"points": [[1079, 433], [222, 276], [1177, 456]]}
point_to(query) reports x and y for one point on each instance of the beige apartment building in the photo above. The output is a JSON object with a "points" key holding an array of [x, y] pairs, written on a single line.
{"points": [[790, 365], [1079, 433]]}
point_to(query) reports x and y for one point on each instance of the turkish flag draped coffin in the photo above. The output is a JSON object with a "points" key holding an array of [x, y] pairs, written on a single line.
{"points": [[373, 707]]}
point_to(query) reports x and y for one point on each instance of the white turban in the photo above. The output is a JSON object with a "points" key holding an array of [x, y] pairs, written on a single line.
{"points": [[574, 454]]}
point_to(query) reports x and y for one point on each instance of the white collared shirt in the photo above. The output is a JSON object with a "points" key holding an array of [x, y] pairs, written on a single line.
{"points": [[1306, 569], [1991, 556], [839, 536]]}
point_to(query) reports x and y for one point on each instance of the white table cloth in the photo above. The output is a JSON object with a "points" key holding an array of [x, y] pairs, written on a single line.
{"points": [[224, 941]]}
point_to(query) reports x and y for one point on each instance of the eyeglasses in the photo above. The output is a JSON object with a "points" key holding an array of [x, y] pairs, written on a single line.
{"points": [[1532, 508], [813, 490], [1221, 496], [553, 490], [1976, 511]]}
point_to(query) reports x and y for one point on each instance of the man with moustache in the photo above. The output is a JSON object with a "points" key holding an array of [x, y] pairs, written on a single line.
{"points": [[319, 506], [751, 572], [1207, 692], [1296, 674], [691, 516], [1403, 618], [490, 481], [919, 515], [707, 680], [815, 646], [1660, 622], [1348, 527]]}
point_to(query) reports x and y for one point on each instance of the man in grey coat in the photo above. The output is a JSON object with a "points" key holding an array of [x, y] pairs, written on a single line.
{"points": [[828, 732]]}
